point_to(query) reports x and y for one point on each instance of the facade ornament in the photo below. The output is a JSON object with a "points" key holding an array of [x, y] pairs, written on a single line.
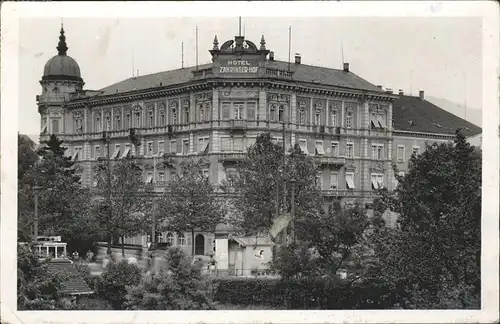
{"points": [[150, 107], [335, 105], [185, 103], [302, 104], [216, 43], [173, 105], [350, 167], [77, 115], [262, 44], [349, 106], [137, 108]]}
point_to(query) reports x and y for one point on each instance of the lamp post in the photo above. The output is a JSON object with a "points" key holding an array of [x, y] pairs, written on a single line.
{"points": [[106, 139], [292, 182], [35, 221]]}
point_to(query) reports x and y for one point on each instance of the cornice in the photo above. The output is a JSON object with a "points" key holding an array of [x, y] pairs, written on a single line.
{"points": [[214, 82], [421, 134]]}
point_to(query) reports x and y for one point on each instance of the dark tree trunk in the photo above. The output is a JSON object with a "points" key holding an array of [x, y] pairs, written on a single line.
{"points": [[192, 241], [123, 246]]}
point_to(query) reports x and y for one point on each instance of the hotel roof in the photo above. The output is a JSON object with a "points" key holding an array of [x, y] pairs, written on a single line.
{"points": [[302, 73]]}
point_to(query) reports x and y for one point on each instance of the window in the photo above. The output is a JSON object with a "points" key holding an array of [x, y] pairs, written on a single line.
{"points": [[186, 115], [203, 144], [97, 152], [170, 239], [225, 110], [278, 141], [98, 122], [251, 110], [150, 149], [238, 111], [161, 148], [149, 178], [377, 181], [415, 150], [107, 119], [335, 148], [272, 112], [207, 111], [201, 113], [303, 146], [373, 121], [151, 118], [400, 153], [225, 144], [128, 121], [334, 180], [137, 119], [182, 239], [317, 119], [377, 151], [319, 180], [250, 141], [173, 146], [162, 117], [116, 152], [205, 173], [55, 126], [185, 146], [319, 148], [348, 119], [349, 180], [349, 150], [302, 116], [381, 121], [117, 124], [161, 176], [334, 118], [77, 152], [174, 116], [126, 152], [238, 144], [281, 113], [401, 173]]}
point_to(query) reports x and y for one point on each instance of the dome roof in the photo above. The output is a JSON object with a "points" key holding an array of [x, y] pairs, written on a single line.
{"points": [[61, 66]]}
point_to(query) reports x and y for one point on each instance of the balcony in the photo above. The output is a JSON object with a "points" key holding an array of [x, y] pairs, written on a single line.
{"points": [[329, 160], [237, 125], [348, 193], [232, 156]]}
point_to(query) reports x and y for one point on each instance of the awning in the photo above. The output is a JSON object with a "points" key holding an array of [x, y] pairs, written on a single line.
{"points": [[374, 121], [380, 184], [149, 179], [319, 149], [44, 129], [115, 153], [350, 184], [303, 148], [381, 121], [375, 184], [75, 156], [126, 152]]}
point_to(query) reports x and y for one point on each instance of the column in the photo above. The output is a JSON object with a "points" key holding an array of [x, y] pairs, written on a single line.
{"points": [[215, 105], [328, 121], [215, 141], [192, 105], [191, 143], [262, 110]]}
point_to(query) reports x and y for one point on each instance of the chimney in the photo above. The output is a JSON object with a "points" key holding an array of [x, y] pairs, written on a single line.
{"points": [[421, 95], [346, 67], [388, 90], [297, 58], [401, 92], [379, 86], [271, 56]]}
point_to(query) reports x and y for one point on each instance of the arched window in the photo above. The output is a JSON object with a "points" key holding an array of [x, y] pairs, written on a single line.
{"points": [[182, 239], [98, 122], [334, 118], [174, 113], [281, 113], [162, 117], [318, 117], [170, 239], [208, 107], [151, 118], [272, 112], [128, 121], [117, 125], [302, 116], [108, 121], [137, 119], [186, 115], [348, 119]]}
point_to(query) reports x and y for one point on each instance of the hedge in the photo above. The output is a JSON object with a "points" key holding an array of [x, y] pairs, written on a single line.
{"points": [[317, 293]]}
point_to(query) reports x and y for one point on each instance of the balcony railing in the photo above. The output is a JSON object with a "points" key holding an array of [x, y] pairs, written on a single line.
{"points": [[329, 160], [232, 156], [348, 193]]}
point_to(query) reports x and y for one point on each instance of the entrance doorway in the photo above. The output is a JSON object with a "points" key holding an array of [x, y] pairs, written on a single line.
{"points": [[199, 245]]}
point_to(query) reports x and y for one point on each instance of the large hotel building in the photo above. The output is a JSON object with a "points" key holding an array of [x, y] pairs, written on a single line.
{"points": [[354, 130]]}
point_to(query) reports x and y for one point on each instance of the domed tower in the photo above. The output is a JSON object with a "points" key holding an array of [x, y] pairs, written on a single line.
{"points": [[61, 77]]}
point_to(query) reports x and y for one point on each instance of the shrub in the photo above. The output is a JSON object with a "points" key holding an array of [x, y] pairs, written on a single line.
{"points": [[114, 280], [179, 286]]}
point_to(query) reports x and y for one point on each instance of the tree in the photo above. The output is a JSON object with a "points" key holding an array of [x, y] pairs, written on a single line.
{"points": [[112, 284], [26, 155], [189, 202], [260, 178], [129, 198], [61, 199], [180, 286], [37, 288], [434, 253]]}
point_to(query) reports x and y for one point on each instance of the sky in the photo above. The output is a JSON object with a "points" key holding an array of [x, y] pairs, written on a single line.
{"points": [[442, 56]]}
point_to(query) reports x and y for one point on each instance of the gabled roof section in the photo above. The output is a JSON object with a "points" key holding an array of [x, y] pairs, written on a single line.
{"points": [[411, 114]]}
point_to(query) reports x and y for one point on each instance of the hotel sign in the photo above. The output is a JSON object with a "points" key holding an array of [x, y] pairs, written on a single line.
{"points": [[238, 66]]}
